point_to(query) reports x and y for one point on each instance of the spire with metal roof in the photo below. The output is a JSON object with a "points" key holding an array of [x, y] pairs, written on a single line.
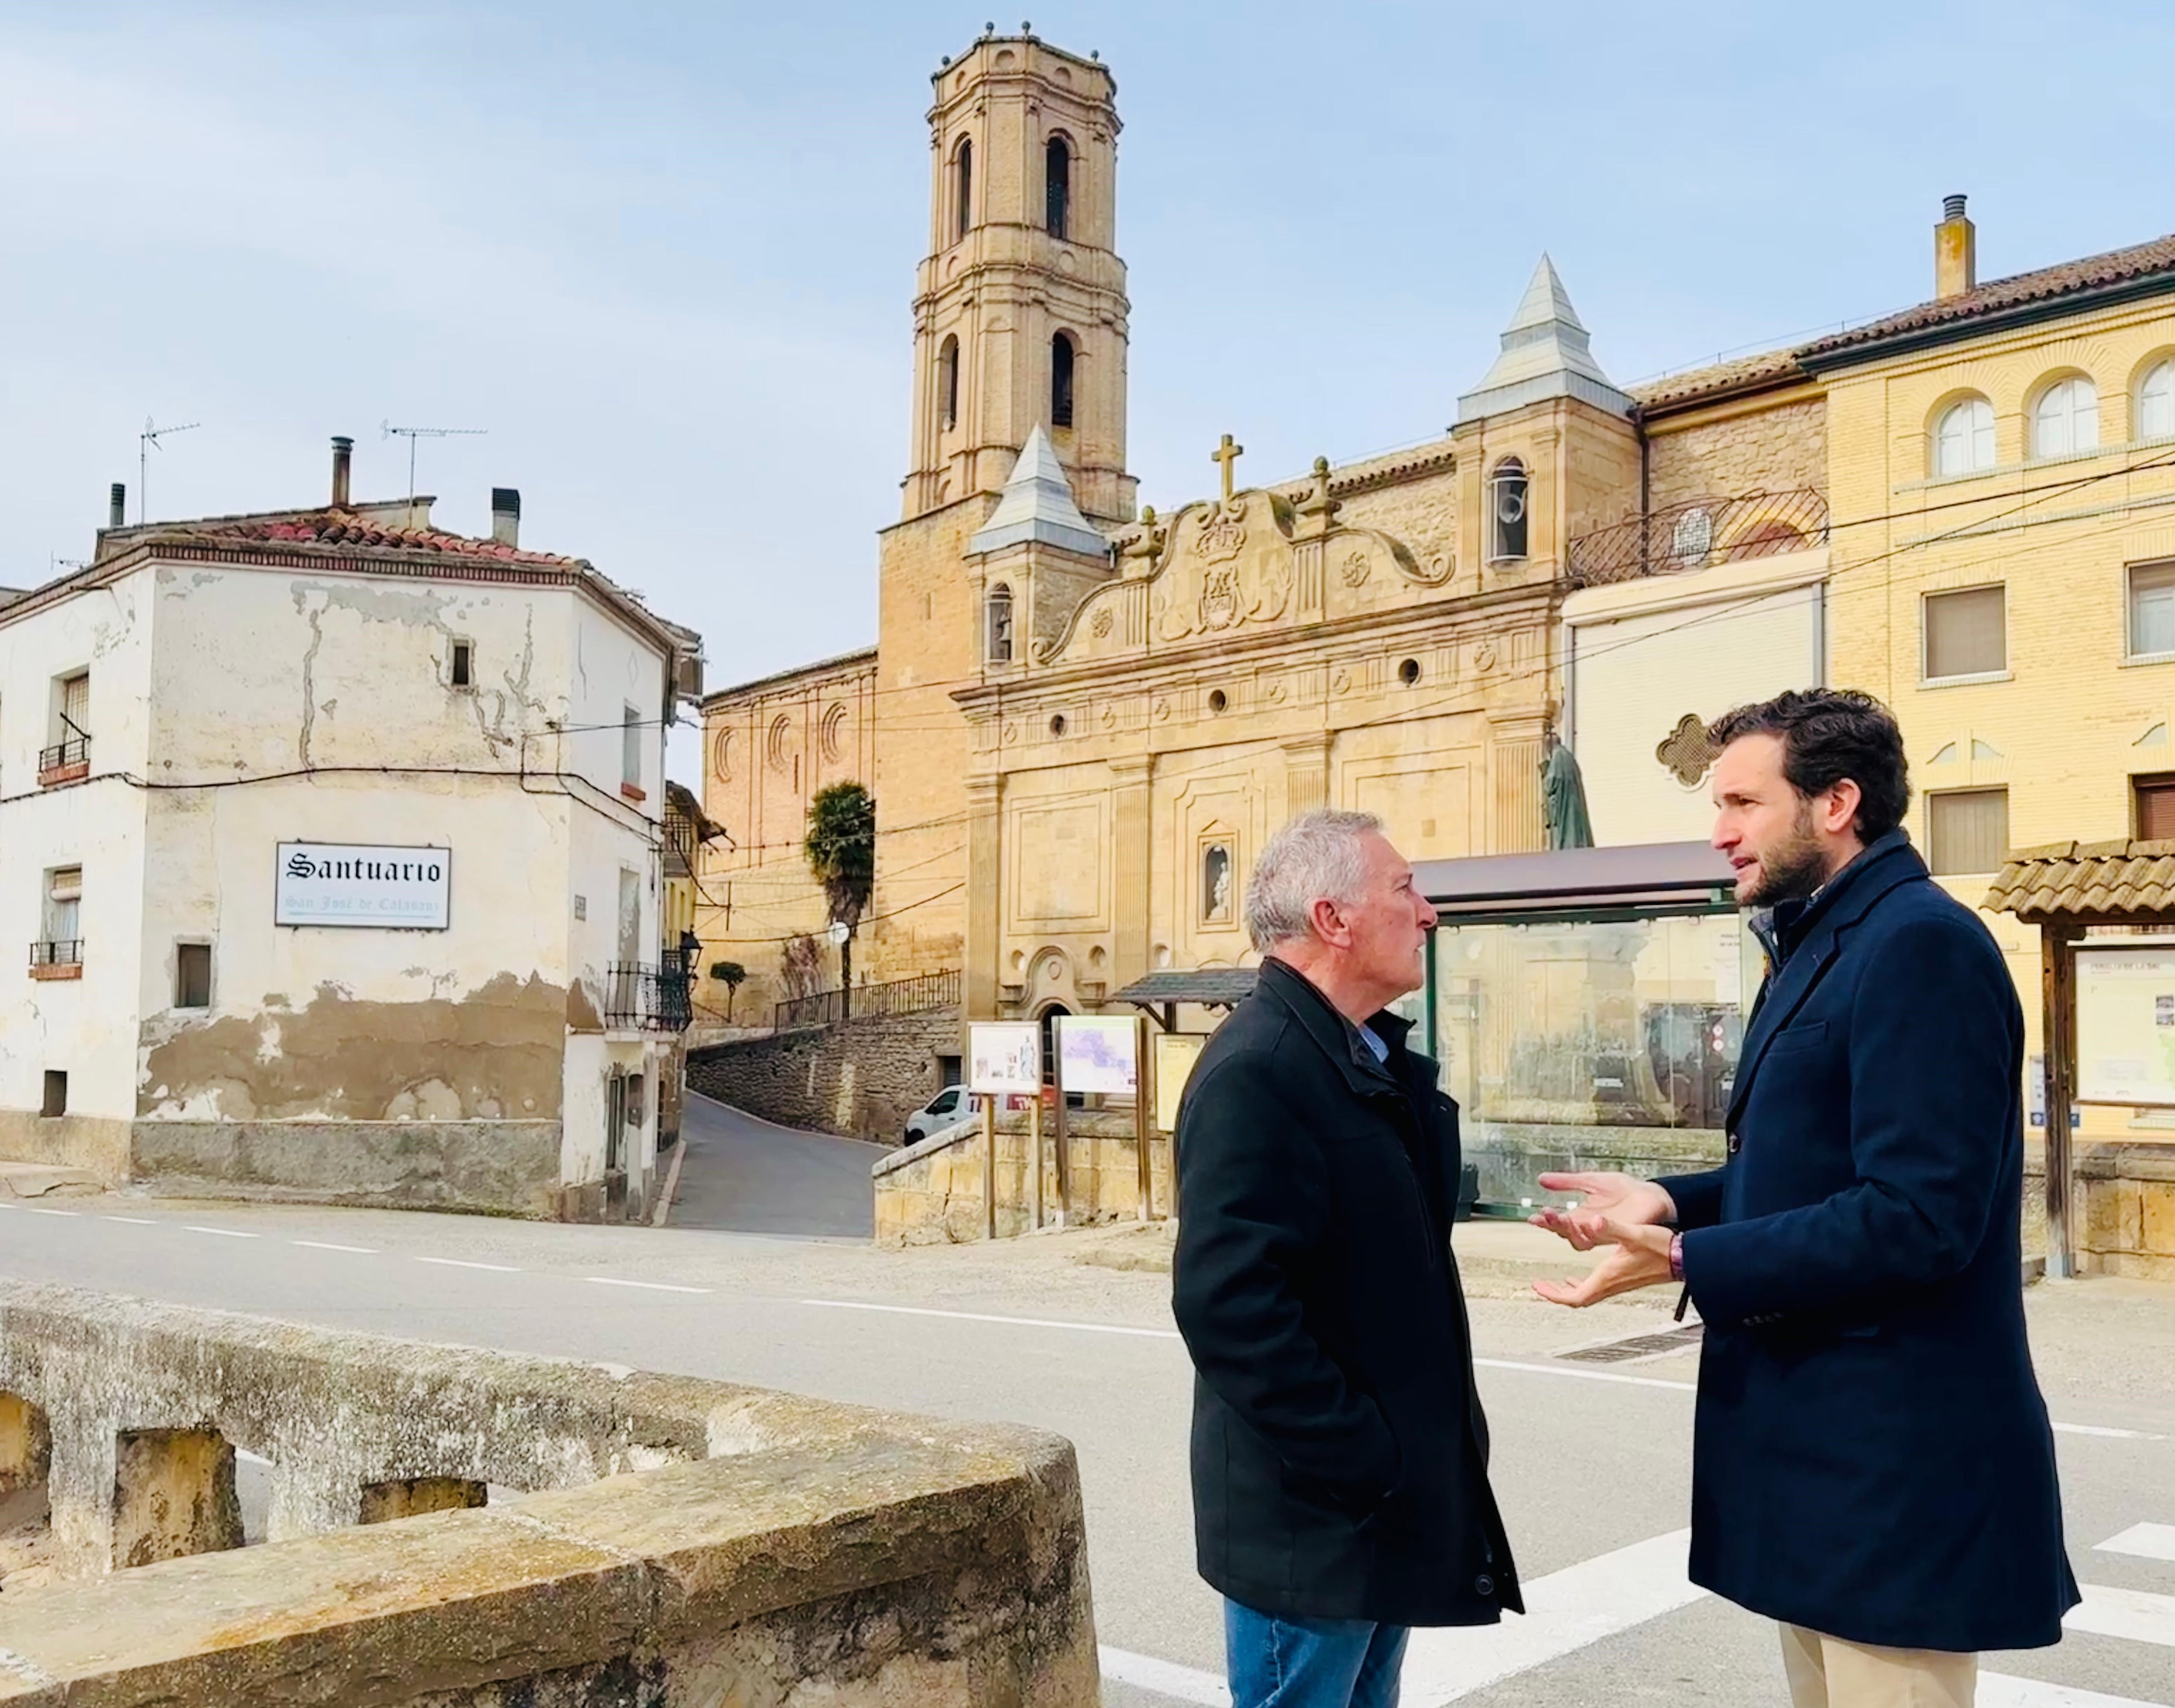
{"points": [[1037, 506], [1546, 353]]}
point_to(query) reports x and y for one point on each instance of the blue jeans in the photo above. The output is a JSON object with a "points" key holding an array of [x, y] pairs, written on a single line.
{"points": [[1310, 1663]]}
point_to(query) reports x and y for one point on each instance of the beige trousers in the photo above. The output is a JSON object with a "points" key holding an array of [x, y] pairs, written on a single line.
{"points": [[1828, 1673]]}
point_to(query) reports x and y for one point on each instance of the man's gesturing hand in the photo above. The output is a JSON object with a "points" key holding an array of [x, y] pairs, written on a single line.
{"points": [[1623, 1198], [1639, 1257]]}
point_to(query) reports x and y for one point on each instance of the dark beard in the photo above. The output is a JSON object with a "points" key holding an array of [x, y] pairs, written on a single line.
{"points": [[1795, 870]]}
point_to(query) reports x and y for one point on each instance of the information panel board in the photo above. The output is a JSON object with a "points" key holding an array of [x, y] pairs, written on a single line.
{"points": [[1004, 1058], [329, 883], [2126, 1023], [1096, 1054]]}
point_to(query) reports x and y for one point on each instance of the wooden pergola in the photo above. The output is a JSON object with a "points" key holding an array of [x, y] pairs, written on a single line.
{"points": [[2065, 889]]}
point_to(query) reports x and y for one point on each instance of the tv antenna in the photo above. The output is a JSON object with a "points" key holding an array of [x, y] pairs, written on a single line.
{"points": [[386, 429], [146, 442]]}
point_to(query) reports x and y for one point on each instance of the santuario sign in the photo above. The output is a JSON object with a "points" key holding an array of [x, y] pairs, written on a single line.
{"points": [[325, 883]]}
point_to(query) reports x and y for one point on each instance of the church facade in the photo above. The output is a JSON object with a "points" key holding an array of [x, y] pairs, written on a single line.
{"points": [[1081, 720]]}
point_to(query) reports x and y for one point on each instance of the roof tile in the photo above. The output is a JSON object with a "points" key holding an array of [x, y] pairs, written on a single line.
{"points": [[2074, 882]]}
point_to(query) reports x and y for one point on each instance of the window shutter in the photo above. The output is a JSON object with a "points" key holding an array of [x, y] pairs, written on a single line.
{"points": [[68, 884], [75, 706], [1970, 830], [2156, 808], [1966, 634]]}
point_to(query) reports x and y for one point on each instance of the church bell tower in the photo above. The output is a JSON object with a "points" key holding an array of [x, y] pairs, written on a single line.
{"points": [[1019, 312]]}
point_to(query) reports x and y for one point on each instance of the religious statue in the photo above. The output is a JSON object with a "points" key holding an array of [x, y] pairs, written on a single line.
{"points": [[1563, 792]]}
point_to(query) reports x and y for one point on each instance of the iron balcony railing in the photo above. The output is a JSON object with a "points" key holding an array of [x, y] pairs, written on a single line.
{"points": [[918, 995], [63, 951], [1700, 535], [644, 998], [62, 754]]}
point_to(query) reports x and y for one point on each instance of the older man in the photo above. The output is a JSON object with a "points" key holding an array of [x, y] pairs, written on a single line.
{"points": [[1340, 1479]]}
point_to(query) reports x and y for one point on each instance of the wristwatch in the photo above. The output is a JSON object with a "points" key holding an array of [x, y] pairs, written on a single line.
{"points": [[1676, 1257]]}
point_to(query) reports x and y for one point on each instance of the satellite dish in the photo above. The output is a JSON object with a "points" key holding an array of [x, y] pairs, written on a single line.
{"points": [[839, 933]]}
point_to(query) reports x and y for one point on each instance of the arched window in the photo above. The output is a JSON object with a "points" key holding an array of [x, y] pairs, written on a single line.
{"points": [[1963, 438], [1507, 510], [947, 380], [963, 191], [1000, 624], [2155, 402], [1060, 381], [2066, 418], [1057, 188]]}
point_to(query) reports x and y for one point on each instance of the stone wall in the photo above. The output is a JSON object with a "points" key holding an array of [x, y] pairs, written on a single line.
{"points": [[1758, 448], [931, 1194], [754, 1546], [862, 1079]]}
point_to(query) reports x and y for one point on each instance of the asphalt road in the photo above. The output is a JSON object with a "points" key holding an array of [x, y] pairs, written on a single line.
{"points": [[743, 1174], [1592, 1463]]}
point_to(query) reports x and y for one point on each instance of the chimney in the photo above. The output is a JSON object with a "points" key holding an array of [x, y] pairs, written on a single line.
{"points": [[116, 505], [506, 515], [1955, 251], [343, 454]]}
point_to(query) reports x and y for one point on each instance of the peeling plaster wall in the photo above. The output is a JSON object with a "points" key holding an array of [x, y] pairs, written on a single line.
{"points": [[83, 1027], [277, 707]]}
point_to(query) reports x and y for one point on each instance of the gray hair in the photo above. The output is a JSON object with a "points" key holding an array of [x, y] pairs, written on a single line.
{"points": [[1315, 857]]}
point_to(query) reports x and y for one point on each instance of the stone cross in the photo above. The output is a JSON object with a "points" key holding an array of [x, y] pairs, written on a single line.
{"points": [[1227, 453]]}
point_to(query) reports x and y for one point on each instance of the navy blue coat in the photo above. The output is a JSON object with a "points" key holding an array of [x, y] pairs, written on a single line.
{"points": [[1872, 1457]]}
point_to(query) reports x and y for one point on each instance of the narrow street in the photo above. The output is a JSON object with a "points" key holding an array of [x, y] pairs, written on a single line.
{"points": [[744, 1175], [1591, 1460]]}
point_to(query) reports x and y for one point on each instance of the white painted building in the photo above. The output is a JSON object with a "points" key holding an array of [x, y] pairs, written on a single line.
{"points": [[1649, 661], [429, 1000]]}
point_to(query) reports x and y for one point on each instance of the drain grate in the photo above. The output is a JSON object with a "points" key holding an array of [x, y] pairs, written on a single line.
{"points": [[1639, 1346]]}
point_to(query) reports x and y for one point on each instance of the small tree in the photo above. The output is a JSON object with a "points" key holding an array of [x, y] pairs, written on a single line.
{"points": [[732, 975], [841, 847]]}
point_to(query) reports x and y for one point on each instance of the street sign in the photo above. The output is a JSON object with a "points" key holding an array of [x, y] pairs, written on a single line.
{"points": [[325, 883]]}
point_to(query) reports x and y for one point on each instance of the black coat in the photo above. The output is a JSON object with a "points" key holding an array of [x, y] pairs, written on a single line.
{"points": [[1872, 1457], [1339, 1453]]}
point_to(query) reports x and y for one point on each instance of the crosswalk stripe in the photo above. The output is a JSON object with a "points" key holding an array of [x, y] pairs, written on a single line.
{"points": [[2137, 1615], [2145, 1541], [1999, 1690], [1565, 1611]]}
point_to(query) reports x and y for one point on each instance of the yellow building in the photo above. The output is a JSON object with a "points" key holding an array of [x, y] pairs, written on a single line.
{"points": [[2002, 465]]}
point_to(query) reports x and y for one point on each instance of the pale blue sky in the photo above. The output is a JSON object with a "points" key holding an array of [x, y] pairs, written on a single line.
{"points": [[665, 253]]}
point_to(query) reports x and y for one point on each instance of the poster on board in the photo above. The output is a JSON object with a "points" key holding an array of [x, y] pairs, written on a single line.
{"points": [[1175, 1054], [1004, 1058], [2126, 1023], [1096, 1052]]}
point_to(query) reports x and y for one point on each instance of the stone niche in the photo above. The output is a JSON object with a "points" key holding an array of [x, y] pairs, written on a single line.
{"points": [[650, 1540]]}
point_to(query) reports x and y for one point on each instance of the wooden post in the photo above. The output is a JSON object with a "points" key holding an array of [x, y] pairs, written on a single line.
{"points": [[1064, 1150], [1034, 1149], [989, 1165], [2057, 954], [1143, 1115]]}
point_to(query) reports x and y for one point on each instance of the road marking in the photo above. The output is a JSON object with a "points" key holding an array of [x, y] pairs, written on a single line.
{"points": [[327, 1245], [1999, 1690], [2145, 1541], [223, 1233], [2105, 1433], [1561, 1370], [1164, 1677], [1587, 1375], [1565, 1611], [463, 1263], [2138, 1615], [980, 1316], [132, 1221], [653, 1286], [41, 1210]]}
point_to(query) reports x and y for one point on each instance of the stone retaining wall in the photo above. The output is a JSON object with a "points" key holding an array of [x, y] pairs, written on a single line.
{"points": [[930, 1194], [861, 1079], [753, 1548]]}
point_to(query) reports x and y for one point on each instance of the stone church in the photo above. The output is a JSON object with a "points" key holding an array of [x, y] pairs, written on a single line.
{"points": [[1081, 720]]}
